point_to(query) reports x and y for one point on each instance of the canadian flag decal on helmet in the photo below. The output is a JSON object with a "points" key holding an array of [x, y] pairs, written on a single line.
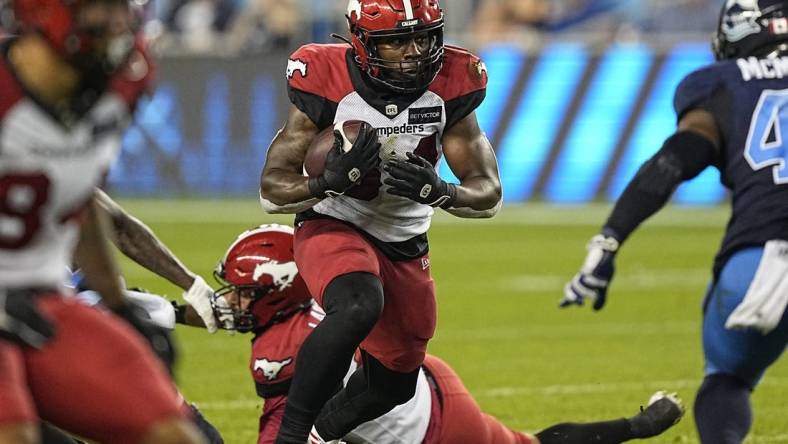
{"points": [[283, 274]]}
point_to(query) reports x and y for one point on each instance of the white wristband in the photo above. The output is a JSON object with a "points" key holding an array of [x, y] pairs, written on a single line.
{"points": [[199, 297]]}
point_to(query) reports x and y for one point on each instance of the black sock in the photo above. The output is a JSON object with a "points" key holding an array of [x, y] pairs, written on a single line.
{"points": [[371, 391], [296, 425], [353, 303], [723, 413], [605, 432]]}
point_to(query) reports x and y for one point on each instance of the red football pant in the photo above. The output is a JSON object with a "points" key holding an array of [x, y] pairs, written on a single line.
{"points": [[462, 420], [326, 248], [96, 378]]}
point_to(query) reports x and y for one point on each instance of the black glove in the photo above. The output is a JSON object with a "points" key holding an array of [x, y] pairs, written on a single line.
{"points": [[417, 180], [20, 320], [158, 337], [345, 169]]}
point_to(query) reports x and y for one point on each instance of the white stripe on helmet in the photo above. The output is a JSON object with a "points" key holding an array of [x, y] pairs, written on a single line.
{"points": [[408, 10]]}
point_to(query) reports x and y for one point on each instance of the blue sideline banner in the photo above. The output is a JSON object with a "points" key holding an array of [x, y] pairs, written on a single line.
{"points": [[569, 124]]}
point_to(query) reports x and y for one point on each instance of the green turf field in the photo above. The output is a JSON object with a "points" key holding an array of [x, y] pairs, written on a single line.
{"points": [[499, 282]]}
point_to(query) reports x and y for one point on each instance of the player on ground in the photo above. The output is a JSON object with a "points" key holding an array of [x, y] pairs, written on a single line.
{"points": [[270, 299], [361, 244], [68, 83], [731, 115]]}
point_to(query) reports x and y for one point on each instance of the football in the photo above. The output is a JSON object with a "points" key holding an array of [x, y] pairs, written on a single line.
{"points": [[316, 154]]}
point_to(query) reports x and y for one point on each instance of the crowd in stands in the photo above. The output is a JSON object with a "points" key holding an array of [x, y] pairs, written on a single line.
{"points": [[254, 26], [239, 26], [528, 20]]}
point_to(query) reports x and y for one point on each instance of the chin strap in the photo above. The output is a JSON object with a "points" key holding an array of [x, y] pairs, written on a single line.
{"points": [[776, 51], [341, 37]]}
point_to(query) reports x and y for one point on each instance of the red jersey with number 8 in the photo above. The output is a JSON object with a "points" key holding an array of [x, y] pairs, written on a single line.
{"points": [[49, 166]]}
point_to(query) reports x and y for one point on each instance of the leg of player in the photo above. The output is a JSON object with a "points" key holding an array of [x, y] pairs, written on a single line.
{"points": [[663, 411], [102, 365], [27, 434], [370, 392], [173, 431], [735, 359], [464, 422], [18, 418], [393, 350], [723, 413], [353, 302], [163, 314], [19, 434], [53, 435]]}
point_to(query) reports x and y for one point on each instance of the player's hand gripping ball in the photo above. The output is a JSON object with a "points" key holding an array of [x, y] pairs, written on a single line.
{"points": [[340, 156]]}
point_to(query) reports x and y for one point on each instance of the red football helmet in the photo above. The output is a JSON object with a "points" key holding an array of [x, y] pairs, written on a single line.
{"points": [[58, 22], [261, 262], [370, 20]]}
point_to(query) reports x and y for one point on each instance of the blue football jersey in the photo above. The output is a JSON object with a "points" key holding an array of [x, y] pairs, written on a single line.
{"points": [[748, 98]]}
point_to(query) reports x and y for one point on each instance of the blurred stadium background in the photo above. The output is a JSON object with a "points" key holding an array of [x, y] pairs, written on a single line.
{"points": [[580, 94], [580, 91]]}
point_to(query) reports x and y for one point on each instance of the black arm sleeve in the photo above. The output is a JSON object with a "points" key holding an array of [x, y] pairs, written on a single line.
{"points": [[682, 157], [319, 109], [457, 109]]}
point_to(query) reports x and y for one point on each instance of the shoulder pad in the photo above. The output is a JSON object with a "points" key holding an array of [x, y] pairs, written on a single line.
{"points": [[462, 73], [697, 88], [321, 70]]}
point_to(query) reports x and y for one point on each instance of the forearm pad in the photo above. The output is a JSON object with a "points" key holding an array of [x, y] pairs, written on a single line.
{"points": [[682, 157]]}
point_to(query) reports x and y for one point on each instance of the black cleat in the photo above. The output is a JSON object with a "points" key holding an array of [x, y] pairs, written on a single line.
{"points": [[662, 412]]}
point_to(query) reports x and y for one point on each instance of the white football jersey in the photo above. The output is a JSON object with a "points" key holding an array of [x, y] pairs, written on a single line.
{"points": [[387, 217], [48, 173], [325, 83]]}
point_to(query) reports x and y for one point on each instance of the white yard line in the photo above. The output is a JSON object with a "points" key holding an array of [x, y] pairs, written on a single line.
{"points": [[581, 389], [772, 438], [177, 211], [523, 391], [643, 280]]}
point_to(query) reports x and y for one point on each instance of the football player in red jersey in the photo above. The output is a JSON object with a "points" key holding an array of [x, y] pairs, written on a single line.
{"points": [[269, 298], [361, 244], [69, 80]]}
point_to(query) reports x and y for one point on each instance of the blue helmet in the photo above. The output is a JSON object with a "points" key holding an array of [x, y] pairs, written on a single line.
{"points": [[750, 27]]}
